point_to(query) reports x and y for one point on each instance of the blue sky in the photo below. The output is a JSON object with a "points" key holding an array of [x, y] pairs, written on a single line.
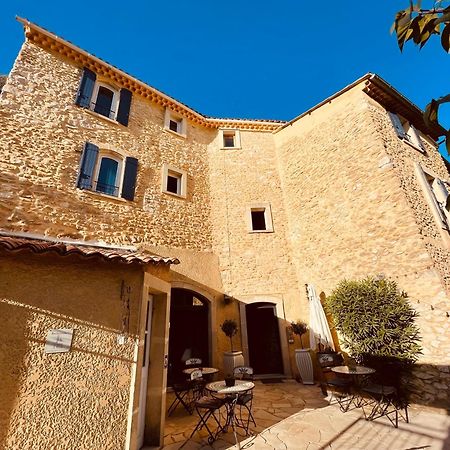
{"points": [[255, 59]]}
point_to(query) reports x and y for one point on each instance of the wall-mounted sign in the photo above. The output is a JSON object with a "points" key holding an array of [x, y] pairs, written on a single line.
{"points": [[58, 341]]}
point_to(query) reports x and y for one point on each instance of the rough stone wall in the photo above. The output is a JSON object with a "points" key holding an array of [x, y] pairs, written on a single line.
{"points": [[43, 134], [430, 299], [252, 264], [349, 216], [75, 400]]}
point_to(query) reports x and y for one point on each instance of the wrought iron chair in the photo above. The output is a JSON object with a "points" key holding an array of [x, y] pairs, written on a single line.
{"points": [[340, 387], [384, 396], [244, 401], [206, 408], [189, 390]]}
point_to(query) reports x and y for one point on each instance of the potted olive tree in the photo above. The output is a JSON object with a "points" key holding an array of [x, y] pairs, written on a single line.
{"points": [[302, 355], [233, 358]]}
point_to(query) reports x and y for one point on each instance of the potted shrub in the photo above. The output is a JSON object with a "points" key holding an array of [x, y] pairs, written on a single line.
{"points": [[302, 355], [233, 358]]}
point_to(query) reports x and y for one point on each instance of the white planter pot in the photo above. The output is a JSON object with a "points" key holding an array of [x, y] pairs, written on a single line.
{"points": [[304, 365], [232, 360]]}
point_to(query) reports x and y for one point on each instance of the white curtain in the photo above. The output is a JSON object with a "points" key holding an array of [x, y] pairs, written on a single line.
{"points": [[319, 331]]}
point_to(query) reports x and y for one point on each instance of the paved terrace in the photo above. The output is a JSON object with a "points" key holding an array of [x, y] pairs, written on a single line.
{"points": [[292, 416]]}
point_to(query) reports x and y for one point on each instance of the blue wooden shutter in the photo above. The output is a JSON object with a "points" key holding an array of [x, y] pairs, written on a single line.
{"points": [[397, 124], [124, 106], [88, 160], [86, 88], [129, 178]]}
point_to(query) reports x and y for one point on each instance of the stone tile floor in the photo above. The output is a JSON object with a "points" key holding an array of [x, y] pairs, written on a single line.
{"points": [[292, 416]]}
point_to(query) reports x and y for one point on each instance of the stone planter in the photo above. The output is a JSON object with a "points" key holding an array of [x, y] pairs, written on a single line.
{"points": [[304, 365], [232, 360]]}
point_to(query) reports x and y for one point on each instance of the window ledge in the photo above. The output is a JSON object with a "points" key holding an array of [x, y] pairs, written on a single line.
{"points": [[168, 130], [231, 148], [415, 147], [101, 116], [172, 194], [104, 196], [260, 231]]}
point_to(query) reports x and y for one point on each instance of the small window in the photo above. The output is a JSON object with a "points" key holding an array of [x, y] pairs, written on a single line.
{"points": [[407, 132], [174, 123], [259, 218], [230, 138], [105, 100], [437, 194], [174, 181]]}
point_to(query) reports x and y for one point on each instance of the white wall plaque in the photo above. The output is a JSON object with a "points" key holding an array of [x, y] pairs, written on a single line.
{"points": [[58, 341]]}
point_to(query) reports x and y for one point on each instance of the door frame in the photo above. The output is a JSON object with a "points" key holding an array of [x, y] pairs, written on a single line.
{"points": [[282, 325], [157, 373], [144, 371]]}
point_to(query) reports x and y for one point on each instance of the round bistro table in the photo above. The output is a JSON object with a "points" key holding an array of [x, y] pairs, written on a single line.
{"points": [[358, 373], [232, 392], [204, 370]]}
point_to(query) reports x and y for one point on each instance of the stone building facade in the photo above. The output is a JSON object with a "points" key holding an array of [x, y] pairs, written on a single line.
{"points": [[253, 210]]}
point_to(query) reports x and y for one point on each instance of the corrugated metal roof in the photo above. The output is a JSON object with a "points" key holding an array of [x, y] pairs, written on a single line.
{"points": [[17, 244]]}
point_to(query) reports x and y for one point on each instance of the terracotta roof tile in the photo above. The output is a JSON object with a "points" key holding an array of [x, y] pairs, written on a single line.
{"points": [[17, 244]]}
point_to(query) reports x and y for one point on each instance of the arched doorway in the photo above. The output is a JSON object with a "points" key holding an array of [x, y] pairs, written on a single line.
{"points": [[263, 336], [188, 333]]}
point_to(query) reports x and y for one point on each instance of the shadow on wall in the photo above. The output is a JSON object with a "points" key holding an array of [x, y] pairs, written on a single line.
{"points": [[50, 398]]}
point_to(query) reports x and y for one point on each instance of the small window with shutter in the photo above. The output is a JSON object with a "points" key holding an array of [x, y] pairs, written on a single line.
{"points": [[103, 98], [107, 172], [406, 131], [437, 193]]}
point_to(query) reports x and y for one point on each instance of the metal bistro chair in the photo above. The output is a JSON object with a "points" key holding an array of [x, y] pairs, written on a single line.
{"points": [[206, 408], [189, 390], [340, 387], [384, 398], [245, 400]]}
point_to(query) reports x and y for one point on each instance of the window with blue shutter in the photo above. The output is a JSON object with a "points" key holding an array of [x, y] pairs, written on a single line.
{"points": [[87, 166], [104, 171], [86, 88], [103, 99], [129, 178]]}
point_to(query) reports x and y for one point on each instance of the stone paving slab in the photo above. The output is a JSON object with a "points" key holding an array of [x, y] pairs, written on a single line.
{"points": [[293, 416]]}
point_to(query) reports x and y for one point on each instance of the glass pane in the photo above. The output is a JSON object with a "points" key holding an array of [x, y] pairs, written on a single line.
{"points": [[173, 125], [228, 140], [173, 184], [104, 101], [107, 176], [258, 220]]}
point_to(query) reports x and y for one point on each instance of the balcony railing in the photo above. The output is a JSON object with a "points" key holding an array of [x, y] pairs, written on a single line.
{"points": [[109, 189]]}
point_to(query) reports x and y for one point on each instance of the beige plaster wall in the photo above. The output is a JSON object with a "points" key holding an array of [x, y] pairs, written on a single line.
{"points": [[75, 400], [349, 214], [43, 135]]}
